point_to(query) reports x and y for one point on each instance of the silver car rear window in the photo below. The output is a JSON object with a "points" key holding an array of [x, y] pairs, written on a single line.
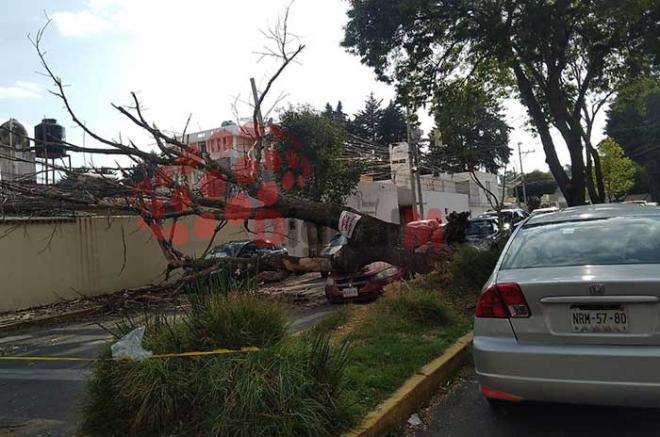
{"points": [[616, 240]]}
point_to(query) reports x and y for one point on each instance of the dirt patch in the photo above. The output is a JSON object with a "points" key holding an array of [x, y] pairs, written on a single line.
{"points": [[357, 315]]}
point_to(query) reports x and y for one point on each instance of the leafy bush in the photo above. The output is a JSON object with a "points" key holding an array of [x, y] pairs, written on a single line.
{"points": [[471, 267]]}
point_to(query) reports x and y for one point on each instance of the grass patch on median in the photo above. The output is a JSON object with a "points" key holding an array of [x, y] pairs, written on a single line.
{"points": [[408, 327]]}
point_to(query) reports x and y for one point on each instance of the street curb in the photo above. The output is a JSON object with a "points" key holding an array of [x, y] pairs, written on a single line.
{"points": [[414, 392], [51, 319]]}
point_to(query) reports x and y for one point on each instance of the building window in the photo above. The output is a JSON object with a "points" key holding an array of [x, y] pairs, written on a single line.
{"points": [[292, 225], [202, 146]]}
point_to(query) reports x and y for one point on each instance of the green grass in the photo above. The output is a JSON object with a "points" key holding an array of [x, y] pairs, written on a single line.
{"points": [[404, 331]]}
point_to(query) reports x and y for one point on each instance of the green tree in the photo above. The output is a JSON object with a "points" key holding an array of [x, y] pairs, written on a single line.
{"points": [[538, 183], [366, 123], [560, 58], [618, 169], [469, 133], [336, 115], [312, 162], [634, 122], [392, 125], [311, 156]]}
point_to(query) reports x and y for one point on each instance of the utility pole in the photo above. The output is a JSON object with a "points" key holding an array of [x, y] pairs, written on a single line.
{"points": [[420, 199], [522, 172], [411, 164]]}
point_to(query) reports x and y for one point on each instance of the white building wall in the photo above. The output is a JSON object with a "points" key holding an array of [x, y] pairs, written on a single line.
{"points": [[444, 203], [378, 199], [478, 200]]}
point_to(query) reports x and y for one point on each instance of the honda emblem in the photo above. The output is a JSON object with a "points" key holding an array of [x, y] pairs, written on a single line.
{"points": [[597, 290]]}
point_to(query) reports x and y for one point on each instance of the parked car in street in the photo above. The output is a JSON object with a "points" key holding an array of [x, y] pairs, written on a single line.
{"points": [[482, 231], [510, 216], [245, 249], [571, 312], [367, 284], [333, 247]]}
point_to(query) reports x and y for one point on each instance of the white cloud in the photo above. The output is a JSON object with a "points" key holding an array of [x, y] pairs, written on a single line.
{"points": [[81, 23], [20, 90]]}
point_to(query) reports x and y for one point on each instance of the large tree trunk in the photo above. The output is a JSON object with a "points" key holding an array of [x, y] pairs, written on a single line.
{"points": [[578, 188], [539, 121]]}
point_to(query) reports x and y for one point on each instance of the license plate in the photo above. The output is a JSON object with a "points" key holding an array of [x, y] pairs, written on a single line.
{"points": [[349, 292], [601, 320]]}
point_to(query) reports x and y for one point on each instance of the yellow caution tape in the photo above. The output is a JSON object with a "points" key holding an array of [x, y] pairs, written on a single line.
{"points": [[173, 355]]}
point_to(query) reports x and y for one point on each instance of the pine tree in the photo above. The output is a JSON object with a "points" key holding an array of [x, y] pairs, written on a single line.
{"points": [[366, 123], [392, 125]]}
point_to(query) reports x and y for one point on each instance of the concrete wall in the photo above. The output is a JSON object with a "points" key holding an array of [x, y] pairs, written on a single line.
{"points": [[445, 203], [43, 261], [378, 199]]}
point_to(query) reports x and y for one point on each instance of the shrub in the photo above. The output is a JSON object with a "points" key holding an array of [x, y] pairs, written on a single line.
{"points": [[235, 320], [293, 390], [286, 388], [471, 267]]}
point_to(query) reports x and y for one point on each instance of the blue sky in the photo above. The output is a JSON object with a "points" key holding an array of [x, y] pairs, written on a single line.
{"points": [[180, 57]]}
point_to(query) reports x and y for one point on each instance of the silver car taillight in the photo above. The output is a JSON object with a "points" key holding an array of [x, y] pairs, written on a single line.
{"points": [[502, 301]]}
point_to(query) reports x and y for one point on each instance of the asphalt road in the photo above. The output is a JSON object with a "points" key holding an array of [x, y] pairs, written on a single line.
{"points": [[43, 398], [459, 410]]}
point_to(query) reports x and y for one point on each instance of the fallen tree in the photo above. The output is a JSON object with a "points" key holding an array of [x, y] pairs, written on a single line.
{"points": [[157, 187]]}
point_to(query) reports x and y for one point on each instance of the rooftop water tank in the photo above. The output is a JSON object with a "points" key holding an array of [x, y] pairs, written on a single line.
{"points": [[48, 136]]}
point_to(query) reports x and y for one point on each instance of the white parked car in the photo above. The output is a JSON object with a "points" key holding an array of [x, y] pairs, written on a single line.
{"points": [[571, 312]]}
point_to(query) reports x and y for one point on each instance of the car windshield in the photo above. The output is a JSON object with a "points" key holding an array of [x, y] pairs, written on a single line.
{"points": [[338, 240], [507, 216], [479, 228], [219, 253], [225, 250], [617, 240]]}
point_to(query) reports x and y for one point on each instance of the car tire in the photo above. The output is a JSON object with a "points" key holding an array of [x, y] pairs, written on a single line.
{"points": [[498, 404]]}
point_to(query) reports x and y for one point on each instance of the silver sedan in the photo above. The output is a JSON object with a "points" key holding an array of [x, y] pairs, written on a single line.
{"points": [[571, 312]]}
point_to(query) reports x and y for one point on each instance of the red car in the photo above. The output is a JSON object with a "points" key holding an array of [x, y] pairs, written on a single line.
{"points": [[367, 284]]}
